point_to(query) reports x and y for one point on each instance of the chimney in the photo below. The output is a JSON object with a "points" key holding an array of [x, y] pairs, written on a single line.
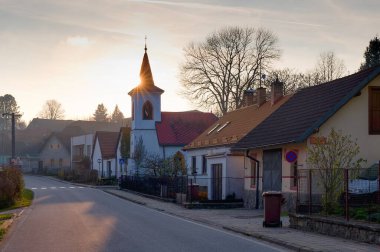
{"points": [[277, 91], [261, 96], [248, 97]]}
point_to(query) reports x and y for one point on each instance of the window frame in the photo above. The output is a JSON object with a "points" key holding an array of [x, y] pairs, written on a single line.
{"points": [[204, 165], [193, 165], [371, 129]]}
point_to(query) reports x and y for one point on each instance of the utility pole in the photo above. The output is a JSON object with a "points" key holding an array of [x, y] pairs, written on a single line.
{"points": [[13, 117]]}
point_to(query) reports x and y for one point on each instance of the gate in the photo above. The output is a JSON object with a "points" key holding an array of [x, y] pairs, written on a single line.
{"points": [[216, 180], [272, 170]]}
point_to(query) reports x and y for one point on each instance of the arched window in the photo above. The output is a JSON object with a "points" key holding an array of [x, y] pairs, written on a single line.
{"points": [[147, 111]]}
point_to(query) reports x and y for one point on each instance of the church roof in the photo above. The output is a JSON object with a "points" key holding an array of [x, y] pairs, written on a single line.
{"points": [[146, 78], [180, 128]]}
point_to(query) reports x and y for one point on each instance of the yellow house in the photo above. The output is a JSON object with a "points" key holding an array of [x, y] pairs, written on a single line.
{"points": [[350, 104]]}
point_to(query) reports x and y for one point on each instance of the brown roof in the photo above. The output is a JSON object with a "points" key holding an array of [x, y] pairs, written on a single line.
{"points": [[107, 142], [234, 125]]}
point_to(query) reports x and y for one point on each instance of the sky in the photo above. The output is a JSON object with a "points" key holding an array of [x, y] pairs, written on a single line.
{"points": [[85, 52]]}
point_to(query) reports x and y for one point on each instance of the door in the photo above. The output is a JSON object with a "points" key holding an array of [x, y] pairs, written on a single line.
{"points": [[216, 181], [272, 170]]}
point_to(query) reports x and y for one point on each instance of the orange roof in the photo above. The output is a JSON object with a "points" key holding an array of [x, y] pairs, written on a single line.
{"points": [[108, 143], [234, 125]]}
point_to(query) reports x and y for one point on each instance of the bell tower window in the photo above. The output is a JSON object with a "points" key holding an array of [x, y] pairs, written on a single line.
{"points": [[147, 111]]}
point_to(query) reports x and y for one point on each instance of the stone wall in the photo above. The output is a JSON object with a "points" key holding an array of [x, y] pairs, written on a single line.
{"points": [[352, 230]]}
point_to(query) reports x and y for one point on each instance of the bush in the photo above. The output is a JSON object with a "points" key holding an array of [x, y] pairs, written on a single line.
{"points": [[11, 186]]}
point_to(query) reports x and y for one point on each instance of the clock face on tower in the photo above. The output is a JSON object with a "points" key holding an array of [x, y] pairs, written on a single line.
{"points": [[147, 111]]}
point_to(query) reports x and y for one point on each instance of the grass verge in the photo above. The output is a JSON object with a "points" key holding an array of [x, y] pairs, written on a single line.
{"points": [[26, 200]]}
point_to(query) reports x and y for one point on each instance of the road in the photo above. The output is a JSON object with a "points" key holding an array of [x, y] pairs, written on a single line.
{"points": [[65, 217]]}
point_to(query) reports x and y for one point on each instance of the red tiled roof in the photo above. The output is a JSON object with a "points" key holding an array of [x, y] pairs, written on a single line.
{"points": [[180, 128], [107, 142]]}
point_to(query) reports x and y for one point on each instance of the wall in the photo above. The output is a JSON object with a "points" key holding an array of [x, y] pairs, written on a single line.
{"points": [[138, 100], [352, 119], [54, 149]]}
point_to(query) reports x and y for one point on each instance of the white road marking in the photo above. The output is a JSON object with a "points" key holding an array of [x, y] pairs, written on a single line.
{"points": [[34, 188], [62, 187], [43, 188], [71, 187], [53, 187], [80, 187]]}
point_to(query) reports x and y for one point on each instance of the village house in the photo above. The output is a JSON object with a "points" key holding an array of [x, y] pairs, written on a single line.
{"points": [[104, 158], [218, 171], [350, 105], [161, 133]]}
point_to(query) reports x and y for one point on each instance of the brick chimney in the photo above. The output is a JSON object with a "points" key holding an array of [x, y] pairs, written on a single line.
{"points": [[249, 98], [277, 91], [261, 96]]}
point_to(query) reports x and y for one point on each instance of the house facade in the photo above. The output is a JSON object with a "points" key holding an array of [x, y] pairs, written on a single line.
{"points": [[219, 171], [104, 158], [350, 105], [81, 147], [54, 155], [161, 133]]}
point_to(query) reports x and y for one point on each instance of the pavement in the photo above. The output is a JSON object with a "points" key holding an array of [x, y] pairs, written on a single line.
{"points": [[249, 222]]}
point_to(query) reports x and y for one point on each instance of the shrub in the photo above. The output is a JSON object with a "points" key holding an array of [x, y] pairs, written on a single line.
{"points": [[11, 186]]}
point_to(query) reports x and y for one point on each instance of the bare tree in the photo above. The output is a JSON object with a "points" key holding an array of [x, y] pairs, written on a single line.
{"points": [[292, 80], [139, 155], [53, 110], [329, 67], [216, 72]]}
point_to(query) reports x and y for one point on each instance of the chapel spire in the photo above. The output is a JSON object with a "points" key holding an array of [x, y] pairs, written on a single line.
{"points": [[146, 76]]}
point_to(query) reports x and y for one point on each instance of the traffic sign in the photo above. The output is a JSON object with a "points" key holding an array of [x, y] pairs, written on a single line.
{"points": [[291, 156]]}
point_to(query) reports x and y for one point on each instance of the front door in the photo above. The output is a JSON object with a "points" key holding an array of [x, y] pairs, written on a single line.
{"points": [[216, 181], [272, 167]]}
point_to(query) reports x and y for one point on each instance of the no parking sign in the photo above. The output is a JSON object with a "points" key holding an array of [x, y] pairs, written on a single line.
{"points": [[291, 156]]}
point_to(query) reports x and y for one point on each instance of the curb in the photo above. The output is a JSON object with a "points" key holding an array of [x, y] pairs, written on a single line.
{"points": [[231, 229]]}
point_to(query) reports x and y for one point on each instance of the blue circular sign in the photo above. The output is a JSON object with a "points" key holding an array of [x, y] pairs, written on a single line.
{"points": [[291, 156]]}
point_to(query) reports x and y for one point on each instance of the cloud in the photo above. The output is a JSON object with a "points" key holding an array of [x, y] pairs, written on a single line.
{"points": [[79, 41]]}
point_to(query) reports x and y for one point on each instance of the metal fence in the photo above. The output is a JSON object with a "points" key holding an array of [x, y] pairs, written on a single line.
{"points": [[195, 188], [350, 193]]}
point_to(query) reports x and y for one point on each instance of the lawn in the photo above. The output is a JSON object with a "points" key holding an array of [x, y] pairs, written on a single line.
{"points": [[3, 217]]}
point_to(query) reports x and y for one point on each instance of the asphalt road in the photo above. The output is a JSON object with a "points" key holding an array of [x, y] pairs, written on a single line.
{"points": [[66, 218]]}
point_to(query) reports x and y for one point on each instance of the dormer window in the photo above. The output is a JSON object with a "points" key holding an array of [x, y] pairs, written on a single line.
{"points": [[147, 111]]}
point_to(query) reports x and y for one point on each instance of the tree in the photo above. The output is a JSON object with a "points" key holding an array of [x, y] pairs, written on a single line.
{"points": [[371, 54], [52, 110], [330, 157], [329, 67], [292, 80], [117, 116], [100, 114], [139, 155], [216, 72], [8, 104]]}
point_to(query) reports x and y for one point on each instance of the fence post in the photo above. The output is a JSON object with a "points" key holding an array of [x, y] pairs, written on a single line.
{"points": [[297, 194], [347, 209], [191, 191], [310, 194]]}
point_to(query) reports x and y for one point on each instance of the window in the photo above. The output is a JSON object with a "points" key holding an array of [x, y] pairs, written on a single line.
{"points": [[204, 164], [374, 110], [193, 165], [253, 173], [223, 126], [109, 169], [147, 111], [214, 128], [293, 175], [88, 150]]}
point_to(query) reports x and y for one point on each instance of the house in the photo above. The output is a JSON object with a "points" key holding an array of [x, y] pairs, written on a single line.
{"points": [[161, 133], [350, 104], [55, 154], [81, 147], [219, 171], [104, 157]]}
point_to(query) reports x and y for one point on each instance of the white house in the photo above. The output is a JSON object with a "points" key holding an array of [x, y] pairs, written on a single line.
{"points": [[104, 158], [81, 147], [350, 105], [219, 171], [161, 133]]}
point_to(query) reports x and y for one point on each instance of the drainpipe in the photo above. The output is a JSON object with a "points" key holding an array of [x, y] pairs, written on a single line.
{"points": [[257, 177]]}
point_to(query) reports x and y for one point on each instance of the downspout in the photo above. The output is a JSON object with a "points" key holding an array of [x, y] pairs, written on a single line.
{"points": [[257, 177]]}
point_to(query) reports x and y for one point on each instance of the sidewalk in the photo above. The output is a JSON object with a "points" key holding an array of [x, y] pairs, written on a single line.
{"points": [[249, 222]]}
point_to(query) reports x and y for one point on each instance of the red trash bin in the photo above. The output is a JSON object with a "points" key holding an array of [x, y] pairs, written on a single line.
{"points": [[272, 209]]}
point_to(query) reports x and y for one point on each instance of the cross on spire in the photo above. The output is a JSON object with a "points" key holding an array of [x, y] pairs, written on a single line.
{"points": [[145, 44]]}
